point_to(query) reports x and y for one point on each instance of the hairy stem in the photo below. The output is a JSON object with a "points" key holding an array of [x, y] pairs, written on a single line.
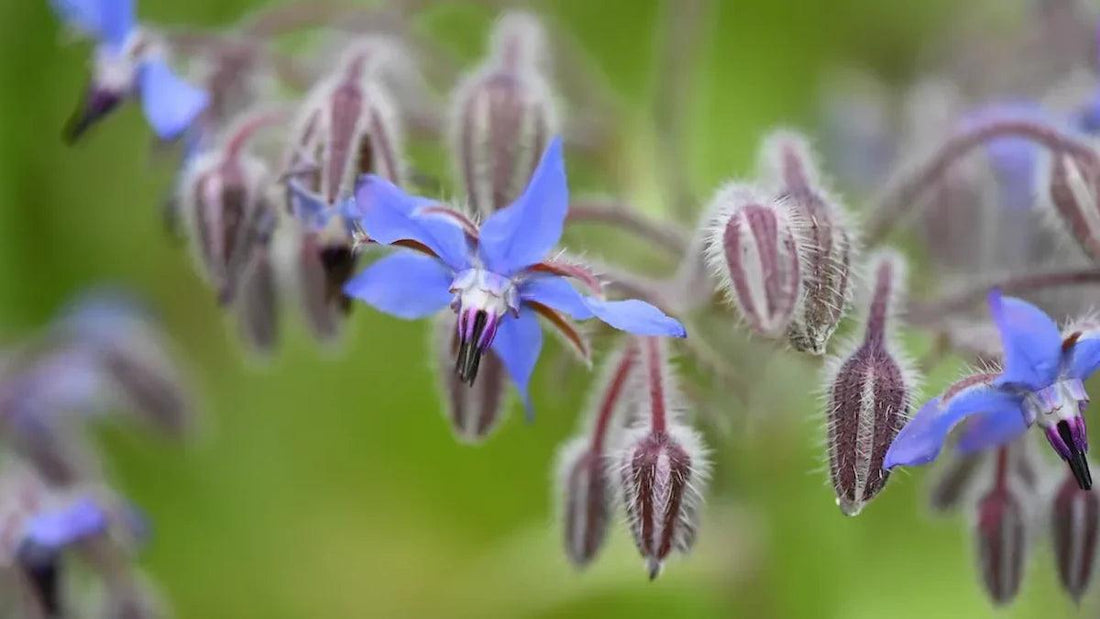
{"points": [[664, 235], [609, 402], [932, 312], [901, 197]]}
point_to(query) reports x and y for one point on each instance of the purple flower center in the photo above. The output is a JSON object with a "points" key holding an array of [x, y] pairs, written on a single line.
{"points": [[481, 299]]}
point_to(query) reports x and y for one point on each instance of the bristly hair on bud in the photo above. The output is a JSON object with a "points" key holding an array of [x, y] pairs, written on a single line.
{"points": [[827, 239], [869, 390], [662, 465], [503, 114], [1075, 529], [584, 481], [753, 252], [1001, 525], [1071, 186], [474, 411]]}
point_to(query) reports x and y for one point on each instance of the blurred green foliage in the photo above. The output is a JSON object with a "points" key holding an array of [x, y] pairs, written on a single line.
{"points": [[326, 483]]}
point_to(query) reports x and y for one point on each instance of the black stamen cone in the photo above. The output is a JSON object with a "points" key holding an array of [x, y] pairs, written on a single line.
{"points": [[95, 105], [41, 568], [469, 353], [1077, 462]]}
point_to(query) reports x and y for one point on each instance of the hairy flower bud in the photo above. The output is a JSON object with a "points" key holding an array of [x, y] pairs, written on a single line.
{"points": [[1074, 527], [827, 242], [473, 410], [1001, 535], [1073, 187], [869, 391], [503, 115], [662, 466], [954, 482], [258, 305], [753, 250], [583, 474]]}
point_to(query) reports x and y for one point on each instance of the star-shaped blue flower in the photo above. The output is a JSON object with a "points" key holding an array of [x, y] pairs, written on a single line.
{"points": [[495, 276], [1041, 383], [128, 64]]}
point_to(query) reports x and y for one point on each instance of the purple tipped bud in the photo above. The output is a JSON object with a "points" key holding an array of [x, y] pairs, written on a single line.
{"points": [[503, 116], [753, 250], [1074, 527], [1001, 536], [474, 411], [583, 474], [869, 392], [826, 240], [662, 466], [1074, 186]]}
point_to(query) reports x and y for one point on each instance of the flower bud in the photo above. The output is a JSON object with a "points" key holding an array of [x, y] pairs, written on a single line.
{"points": [[754, 252], [1001, 535], [827, 242], [1073, 186], [323, 266], [503, 115], [258, 308], [954, 482], [1074, 527], [662, 466], [473, 410], [869, 391], [583, 474]]}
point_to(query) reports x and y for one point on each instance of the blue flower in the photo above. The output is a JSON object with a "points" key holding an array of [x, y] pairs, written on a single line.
{"points": [[128, 63], [1042, 383], [495, 276]]}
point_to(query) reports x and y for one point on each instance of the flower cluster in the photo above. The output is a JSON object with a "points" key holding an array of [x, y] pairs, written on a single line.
{"points": [[100, 358]]}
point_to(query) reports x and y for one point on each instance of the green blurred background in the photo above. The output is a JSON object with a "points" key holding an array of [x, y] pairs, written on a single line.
{"points": [[326, 483]]}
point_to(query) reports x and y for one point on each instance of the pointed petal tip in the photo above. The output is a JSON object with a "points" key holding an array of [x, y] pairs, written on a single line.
{"points": [[653, 567]]}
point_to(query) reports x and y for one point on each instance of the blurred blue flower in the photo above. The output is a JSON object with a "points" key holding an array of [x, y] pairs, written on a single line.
{"points": [[1042, 382], [128, 64], [495, 276]]}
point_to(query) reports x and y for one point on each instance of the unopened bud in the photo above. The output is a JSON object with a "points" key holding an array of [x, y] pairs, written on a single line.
{"points": [[583, 472], [869, 392], [662, 466], [1075, 526], [473, 410], [1073, 186], [258, 305], [826, 240], [1001, 536], [503, 116], [753, 251], [954, 482], [323, 266]]}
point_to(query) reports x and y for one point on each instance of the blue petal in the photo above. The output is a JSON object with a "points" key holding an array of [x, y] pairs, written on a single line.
{"points": [[920, 441], [523, 233], [1084, 358], [389, 215], [405, 284], [517, 343], [1032, 342], [631, 315], [1088, 116], [309, 208], [110, 21], [991, 429], [58, 528], [170, 103]]}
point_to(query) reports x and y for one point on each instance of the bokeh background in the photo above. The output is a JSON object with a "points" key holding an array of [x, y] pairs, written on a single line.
{"points": [[326, 483]]}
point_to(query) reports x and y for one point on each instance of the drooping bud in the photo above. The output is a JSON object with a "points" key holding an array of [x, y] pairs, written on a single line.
{"points": [[753, 250], [503, 115], [827, 241], [1001, 528], [474, 411], [584, 477], [1075, 528], [869, 391], [662, 465], [258, 305], [954, 482], [1073, 186]]}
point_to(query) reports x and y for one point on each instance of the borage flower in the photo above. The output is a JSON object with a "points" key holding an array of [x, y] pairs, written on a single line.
{"points": [[128, 63], [495, 276], [1042, 382]]}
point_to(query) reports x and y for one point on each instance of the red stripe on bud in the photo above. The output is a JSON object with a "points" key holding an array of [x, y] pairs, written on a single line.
{"points": [[1001, 536]]}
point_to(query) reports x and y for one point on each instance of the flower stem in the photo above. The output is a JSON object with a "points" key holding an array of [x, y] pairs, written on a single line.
{"points": [[930, 313], [1001, 478], [613, 394], [902, 196], [665, 235], [658, 415]]}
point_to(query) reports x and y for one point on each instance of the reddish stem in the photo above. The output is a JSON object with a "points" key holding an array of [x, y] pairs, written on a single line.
{"points": [[1014, 284], [1001, 479], [612, 395], [658, 414], [664, 235], [246, 129], [902, 196]]}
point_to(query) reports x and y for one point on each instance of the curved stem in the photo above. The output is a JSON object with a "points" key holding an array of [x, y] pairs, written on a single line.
{"points": [[902, 196], [664, 235], [615, 389], [658, 419], [930, 313]]}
